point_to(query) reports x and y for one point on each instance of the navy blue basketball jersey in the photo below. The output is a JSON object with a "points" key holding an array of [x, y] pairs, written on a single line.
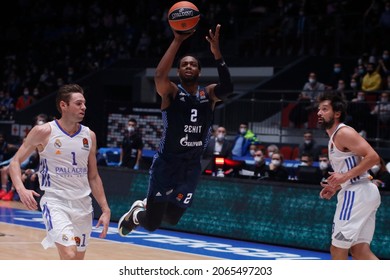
{"points": [[187, 124]]}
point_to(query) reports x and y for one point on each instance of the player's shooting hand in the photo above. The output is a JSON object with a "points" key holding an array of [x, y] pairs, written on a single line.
{"points": [[213, 39]]}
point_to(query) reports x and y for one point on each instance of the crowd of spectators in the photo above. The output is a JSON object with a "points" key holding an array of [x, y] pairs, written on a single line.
{"points": [[44, 44]]}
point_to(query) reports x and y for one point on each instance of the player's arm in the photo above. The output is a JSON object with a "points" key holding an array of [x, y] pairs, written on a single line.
{"points": [[225, 87], [97, 189], [36, 138], [164, 86], [348, 139]]}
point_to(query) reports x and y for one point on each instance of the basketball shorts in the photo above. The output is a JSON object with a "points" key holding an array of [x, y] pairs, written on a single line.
{"points": [[354, 219], [173, 180], [68, 222]]}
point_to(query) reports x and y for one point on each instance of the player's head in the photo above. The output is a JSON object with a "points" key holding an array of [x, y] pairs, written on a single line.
{"points": [[188, 69], [337, 104], [65, 92]]}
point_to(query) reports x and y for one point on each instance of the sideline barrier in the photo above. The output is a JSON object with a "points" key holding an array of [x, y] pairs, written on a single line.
{"points": [[286, 214]]}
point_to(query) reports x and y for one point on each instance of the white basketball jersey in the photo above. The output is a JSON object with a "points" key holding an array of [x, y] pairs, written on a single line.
{"points": [[63, 168], [344, 161]]}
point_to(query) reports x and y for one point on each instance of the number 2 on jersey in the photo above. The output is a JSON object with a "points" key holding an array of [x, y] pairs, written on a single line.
{"points": [[194, 115]]}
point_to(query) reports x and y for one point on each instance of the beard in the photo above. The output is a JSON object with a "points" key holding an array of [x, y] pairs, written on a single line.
{"points": [[326, 124]]}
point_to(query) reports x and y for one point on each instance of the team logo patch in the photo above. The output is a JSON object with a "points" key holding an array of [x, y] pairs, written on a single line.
{"points": [[58, 152], [202, 94], [85, 143], [57, 143], [179, 197], [77, 240]]}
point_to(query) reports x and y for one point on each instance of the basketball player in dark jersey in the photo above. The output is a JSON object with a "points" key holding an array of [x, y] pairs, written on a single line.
{"points": [[187, 113]]}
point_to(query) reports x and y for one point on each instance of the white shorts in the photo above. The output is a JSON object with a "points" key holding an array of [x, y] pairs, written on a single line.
{"points": [[354, 219], [68, 222]]}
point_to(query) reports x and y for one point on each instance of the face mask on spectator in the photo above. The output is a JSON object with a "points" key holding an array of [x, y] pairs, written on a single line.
{"points": [[130, 129], [252, 152], [270, 154], [353, 85], [258, 158], [384, 99], [337, 69], [303, 163], [323, 165], [307, 142], [220, 137], [312, 81], [275, 162], [242, 130]]}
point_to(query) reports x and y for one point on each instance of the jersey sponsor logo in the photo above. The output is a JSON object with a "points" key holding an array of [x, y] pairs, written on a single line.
{"points": [[70, 171], [182, 94], [185, 143], [193, 129]]}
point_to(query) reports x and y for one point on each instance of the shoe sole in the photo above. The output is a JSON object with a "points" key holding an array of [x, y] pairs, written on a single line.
{"points": [[128, 213]]}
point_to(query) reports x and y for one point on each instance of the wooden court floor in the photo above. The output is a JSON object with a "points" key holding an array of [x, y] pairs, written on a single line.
{"points": [[24, 243]]}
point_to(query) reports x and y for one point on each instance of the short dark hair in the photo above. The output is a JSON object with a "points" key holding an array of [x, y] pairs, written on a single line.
{"points": [[132, 120], [337, 101], [65, 92], [196, 58]]}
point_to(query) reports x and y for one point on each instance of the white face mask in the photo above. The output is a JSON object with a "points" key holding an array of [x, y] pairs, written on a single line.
{"points": [[375, 169], [220, 137], [303, 164], [307, 142], [252, 152], [258, 158], [270, 154], [130, 129], [312, 81], [275, 162], [40, 122], [323, 165], [242, 130]]}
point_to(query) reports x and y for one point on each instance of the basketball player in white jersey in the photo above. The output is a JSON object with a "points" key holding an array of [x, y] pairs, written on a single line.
{"points": [[67, 174], [358, 198]]}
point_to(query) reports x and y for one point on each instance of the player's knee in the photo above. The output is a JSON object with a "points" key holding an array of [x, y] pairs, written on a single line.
{"points": [[68, 253]]}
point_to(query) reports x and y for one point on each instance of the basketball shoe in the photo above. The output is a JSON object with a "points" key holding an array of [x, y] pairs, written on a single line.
{"points": [[128, 221]]}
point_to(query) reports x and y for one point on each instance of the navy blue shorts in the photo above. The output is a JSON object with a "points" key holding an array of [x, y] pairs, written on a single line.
{"points": [[173, 180]]}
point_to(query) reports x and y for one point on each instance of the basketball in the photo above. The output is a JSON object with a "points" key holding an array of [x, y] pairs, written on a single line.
{"points": [[183, 17]]}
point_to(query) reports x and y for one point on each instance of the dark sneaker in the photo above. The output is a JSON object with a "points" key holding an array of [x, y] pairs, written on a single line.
{"points": [[126, 222]]}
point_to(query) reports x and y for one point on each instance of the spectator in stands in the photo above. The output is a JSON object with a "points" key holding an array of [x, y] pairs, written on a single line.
{"points": [[243, 140], [360, 114], [7, 150], [337, 75], [219, 145], [381, 112], [131, 146], [309, 146], [259, 169], [7, 106], [380, 175], [271, 149], [306, 159], [24, 100], [384, 64], [372, 80], [277, 172], [324, 166], [305, 103]]}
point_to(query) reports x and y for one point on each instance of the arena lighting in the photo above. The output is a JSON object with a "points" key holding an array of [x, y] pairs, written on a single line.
{"points": [[219, 161]]}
